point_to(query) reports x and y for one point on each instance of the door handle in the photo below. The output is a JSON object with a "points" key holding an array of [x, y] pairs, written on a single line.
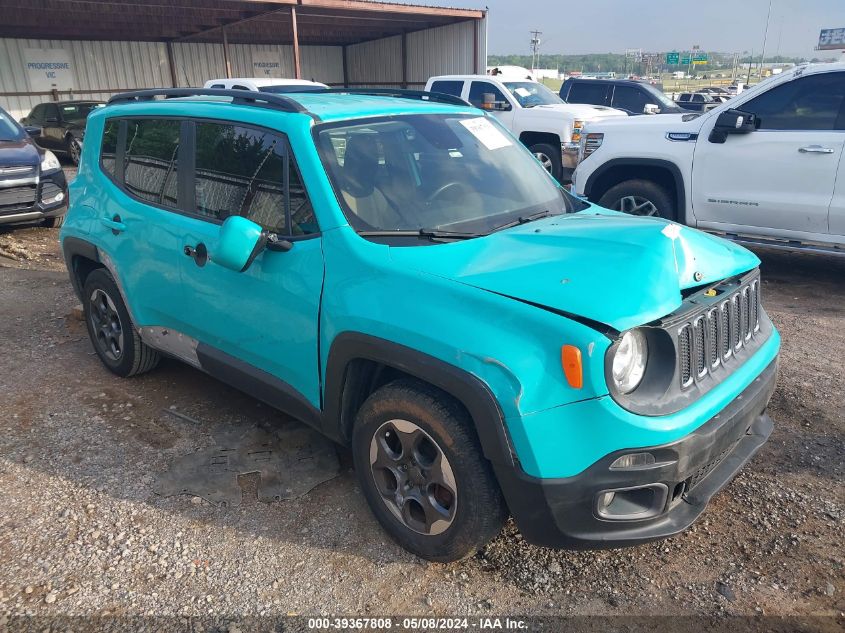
{"points": [[198, 253], [115, 224], [815, 149]]}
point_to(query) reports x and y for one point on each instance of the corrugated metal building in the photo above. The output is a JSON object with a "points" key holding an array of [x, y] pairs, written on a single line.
{"points": [[90, 49]]}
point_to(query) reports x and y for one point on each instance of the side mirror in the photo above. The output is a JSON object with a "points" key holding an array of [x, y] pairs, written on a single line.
{"points": [[651, 108], [240, 242], [33, 130], [733, 122]]}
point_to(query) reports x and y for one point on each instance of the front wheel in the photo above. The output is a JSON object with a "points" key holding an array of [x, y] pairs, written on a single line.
{"points": [[640, 197], [422, 471], [549, 158]]}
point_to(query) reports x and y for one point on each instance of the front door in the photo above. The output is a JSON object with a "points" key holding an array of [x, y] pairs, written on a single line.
{"points": [[778, 180], [267, 316], [487, 96]]}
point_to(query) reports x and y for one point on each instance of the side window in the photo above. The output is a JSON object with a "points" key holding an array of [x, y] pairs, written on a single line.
{"points": [[484, 95], [218, 86], [37, 115], [51, 113], [150, 161], [629, 98], [242, 171], [448, 87], [588, 92], [108, 150], [816, 102], [239, 87]]}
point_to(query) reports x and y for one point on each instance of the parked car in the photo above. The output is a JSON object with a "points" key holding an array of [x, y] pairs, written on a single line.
{"points": [[714, 91], [632, 97], [32, 183], [62, 125], [264, 84], [534, 114], [765, 167], [401, 274], [696, 101]]}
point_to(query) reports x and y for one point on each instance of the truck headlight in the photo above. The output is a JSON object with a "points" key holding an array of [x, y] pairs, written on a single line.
{"points": [[577, 126], [629, 361], [49, 162], [590, 144]]}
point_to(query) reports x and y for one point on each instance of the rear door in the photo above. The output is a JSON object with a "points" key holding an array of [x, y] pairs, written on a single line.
{"points": [[452, 87], [778, 180], [266, 317], [589, 92], [136, 211], [631, 99]]}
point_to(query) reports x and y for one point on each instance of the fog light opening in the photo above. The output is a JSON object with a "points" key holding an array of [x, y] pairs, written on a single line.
{"points": [[634, 503], [57, 198]]}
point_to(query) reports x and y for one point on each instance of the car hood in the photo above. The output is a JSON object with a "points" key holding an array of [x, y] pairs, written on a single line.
{"points": [[582, 111], [611, 268], [672, 122], [19, 152]]}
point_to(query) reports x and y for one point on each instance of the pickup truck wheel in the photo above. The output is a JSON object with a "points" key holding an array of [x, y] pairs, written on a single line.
{"points": [[423, 473], [549, 158], [640, 197], [74, 150], [112, 332]]}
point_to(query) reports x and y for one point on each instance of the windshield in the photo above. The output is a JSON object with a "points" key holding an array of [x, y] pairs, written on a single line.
{"points": [[439, 172], [78, 111], [530, 93], [9, 129]]}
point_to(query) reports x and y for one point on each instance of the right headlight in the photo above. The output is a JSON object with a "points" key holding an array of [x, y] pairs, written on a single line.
{"points": [[629, 361], [590, 143]]}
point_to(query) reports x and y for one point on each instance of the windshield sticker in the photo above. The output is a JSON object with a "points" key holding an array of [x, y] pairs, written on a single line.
{"points": [[672, 231], [484, 131], [522, 92]]}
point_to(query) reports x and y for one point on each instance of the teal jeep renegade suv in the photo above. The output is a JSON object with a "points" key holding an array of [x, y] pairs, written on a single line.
{"points": [[399, 272]]}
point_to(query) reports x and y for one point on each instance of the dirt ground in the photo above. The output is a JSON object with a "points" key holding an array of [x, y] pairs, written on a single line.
{"points": [[83, 533]]}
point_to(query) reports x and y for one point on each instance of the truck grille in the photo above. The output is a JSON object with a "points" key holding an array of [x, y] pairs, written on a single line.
{"points": [[712, 336]]}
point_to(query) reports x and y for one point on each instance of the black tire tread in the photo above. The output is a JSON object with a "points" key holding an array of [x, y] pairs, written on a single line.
{"points": [[663, 199]]}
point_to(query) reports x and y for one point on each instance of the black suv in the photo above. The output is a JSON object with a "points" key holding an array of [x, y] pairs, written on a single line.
{"points": [[632, 96], [32, 183], [62, 125]]}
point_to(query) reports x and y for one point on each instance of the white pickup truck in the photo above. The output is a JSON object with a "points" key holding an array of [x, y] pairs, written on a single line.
{"points": [[546, 125], [764, 168]]}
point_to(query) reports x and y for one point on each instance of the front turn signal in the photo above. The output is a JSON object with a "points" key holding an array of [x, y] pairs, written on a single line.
{"points": [[570, 358]]}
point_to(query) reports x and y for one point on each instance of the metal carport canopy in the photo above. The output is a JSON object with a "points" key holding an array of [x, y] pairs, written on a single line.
{"points": [[294, 22]]}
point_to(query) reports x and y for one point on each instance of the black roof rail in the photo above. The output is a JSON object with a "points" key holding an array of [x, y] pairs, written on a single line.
{"points": [[240, 97], [401, 93]]}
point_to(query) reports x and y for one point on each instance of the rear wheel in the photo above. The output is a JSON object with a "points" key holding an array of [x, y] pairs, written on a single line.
{"points": [[112, 332], [549, 158], [423, 473], [74, 150], [640, 197]]}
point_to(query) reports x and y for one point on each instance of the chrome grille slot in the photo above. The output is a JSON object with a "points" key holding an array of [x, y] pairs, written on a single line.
{"points": [[708, 338], [685, 355], [714, 319], [700, 346]]}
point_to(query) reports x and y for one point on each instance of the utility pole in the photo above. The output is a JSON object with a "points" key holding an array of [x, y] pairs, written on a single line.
{"points": [[765, 37], [535, 49]]}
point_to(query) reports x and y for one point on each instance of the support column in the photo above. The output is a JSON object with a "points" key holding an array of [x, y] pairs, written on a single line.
{"points": [[345, 67], [404, 60], [296, 67], [174, 82], [475, 68], [227, 60]]}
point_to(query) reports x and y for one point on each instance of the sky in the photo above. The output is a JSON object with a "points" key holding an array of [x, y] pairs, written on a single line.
{"points": [[611, 26]]}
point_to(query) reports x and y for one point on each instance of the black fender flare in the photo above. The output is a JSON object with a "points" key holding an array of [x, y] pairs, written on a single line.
{"points": [[73, 247], [680, 186], [465, 387]]}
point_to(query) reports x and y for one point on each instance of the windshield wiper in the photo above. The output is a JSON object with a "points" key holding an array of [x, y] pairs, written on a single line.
{"points": [[422, 233], [525, 219]]}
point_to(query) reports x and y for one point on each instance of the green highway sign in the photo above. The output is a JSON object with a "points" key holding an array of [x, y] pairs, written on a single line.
{"points": [[672, 58], [685, 60], [700, 57]]}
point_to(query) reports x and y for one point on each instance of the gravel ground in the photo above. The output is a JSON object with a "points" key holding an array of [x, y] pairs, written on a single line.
{"points": [[83, 533]]}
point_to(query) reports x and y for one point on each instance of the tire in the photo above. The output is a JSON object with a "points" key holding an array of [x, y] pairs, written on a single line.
{"points": [[120, 348], [55, 222], [469, 518], [74, 150], [640, 192], [549, 158]]}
